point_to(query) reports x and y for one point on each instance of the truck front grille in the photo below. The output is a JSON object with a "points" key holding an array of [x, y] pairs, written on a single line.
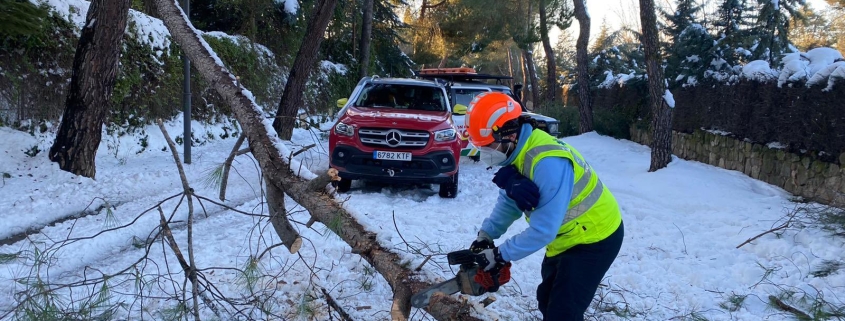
{"points": [[393, 138]]}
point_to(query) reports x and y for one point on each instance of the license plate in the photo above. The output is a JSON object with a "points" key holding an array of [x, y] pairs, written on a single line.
{"points": [[400, 156]]}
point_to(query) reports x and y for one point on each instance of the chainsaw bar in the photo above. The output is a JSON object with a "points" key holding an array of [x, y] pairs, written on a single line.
{"points": [[420, 299]]}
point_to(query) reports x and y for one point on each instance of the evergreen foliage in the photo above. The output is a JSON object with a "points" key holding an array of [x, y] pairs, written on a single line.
{"points": [[688, 58], [688, 42], [771, 30], [603, 40], [683, 17], [34, 70], [20, 18], [624, 59], [469, 26]]}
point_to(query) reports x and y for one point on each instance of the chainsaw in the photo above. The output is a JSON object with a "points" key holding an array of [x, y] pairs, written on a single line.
{"points": [[463, 282]]}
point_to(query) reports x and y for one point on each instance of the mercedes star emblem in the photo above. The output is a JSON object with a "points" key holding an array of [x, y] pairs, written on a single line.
{"points": [[393, 138]]}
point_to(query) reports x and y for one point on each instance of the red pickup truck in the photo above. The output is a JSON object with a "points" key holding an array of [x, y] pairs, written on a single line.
{"points": [[396, 130]]}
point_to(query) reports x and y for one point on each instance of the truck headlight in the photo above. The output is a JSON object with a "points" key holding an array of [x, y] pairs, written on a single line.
{"points": [[445, 135], [344, 129], [553, 127]]}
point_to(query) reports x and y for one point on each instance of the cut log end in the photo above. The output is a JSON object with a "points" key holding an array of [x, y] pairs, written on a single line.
{"points": [[296, 245], [333, 174], [396, 313]]}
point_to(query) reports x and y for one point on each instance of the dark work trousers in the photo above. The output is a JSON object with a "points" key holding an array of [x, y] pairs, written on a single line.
{"points": [[570, 279]]}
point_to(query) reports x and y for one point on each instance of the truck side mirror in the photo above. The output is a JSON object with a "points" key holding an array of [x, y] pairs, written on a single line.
{"points": [[342, 102], [459, 109]]}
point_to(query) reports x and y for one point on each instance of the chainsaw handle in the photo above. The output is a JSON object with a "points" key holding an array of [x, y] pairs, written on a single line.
{"points": [[462, 257]]}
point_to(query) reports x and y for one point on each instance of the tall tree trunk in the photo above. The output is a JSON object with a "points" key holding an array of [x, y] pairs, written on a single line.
{"points": [[524, 75], [261, 144], [532, 75], [308, 194], [366, 33], [551, 67], [302, 65], [661, 114], [150, 8], [510, 65], [94, 73], [585, 104]]}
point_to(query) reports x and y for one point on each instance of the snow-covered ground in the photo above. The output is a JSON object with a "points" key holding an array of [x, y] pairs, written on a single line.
{"points": [[679, 259]]}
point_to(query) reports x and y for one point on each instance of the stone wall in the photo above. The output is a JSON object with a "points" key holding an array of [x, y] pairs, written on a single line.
{"points": [[802, 175]]}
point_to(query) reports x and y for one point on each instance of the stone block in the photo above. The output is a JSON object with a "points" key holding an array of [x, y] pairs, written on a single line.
{"points": [[832, 182], [789, 185], [832, 170], [801, 176], [768, 165], [842, 159], [781, 155], [747, 167], [818, 166], [755, 171], [805, 161], [785, 169]]}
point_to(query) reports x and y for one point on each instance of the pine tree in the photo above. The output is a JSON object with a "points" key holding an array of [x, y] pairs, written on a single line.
{"points": [[603, 39], [683, 17], [688, 42], [20, 18], [732, 33], [771, 30], [690, 56]]}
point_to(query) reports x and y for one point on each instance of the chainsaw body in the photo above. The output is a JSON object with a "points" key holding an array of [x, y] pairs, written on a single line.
{"points": [[463, 282], [466, 273]]}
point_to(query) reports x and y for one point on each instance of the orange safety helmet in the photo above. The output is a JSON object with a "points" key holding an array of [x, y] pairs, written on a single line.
{"points": [[486, 114]]}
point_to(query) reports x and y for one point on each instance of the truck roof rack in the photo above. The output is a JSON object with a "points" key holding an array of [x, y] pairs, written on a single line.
{"points": [[456, 74]]}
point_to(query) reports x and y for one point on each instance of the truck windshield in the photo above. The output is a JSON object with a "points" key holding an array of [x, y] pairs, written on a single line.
{"points": [[402, 96], [464, 95]]}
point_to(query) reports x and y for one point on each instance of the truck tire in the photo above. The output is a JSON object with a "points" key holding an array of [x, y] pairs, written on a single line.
{"points": [[449, 190], [343, 185]]}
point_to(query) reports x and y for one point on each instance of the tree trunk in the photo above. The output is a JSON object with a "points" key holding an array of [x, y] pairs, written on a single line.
{"points": [[150, 8], [363, 242], [94, 74], [510, 65], [551, 68], [302, 65], [585, 104], [661, 114], [366, 33], [307, 194], [532, 75], [524, 75], [261, 144]]}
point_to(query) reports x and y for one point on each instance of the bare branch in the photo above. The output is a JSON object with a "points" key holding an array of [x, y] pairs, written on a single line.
{"points": [[333, 304], [191, 271], [228, 164]]}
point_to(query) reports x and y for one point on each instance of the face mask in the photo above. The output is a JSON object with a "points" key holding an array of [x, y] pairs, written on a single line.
{"points": [[493, 156]]}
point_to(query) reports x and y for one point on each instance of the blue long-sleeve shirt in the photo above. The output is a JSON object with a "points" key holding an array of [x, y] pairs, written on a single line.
{"points": [[555, 177]]}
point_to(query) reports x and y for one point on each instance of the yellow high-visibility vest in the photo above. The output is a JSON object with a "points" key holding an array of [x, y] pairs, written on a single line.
{"points": [[593, 213]]}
